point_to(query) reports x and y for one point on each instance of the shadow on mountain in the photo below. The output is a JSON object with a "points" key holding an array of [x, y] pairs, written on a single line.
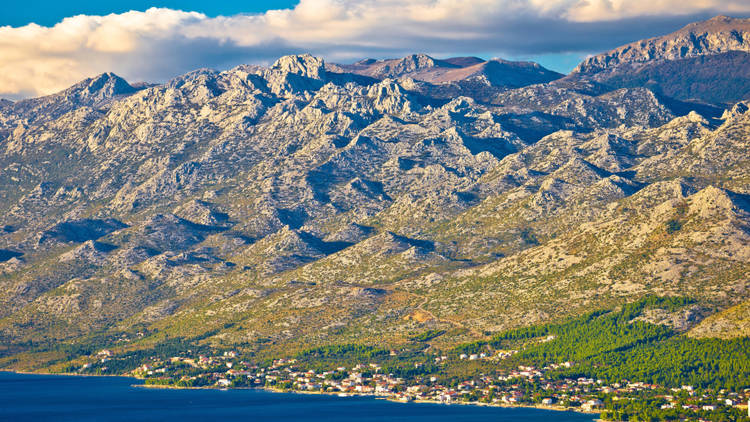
{"points": [[294, 218], [426, 245], [81, 230], [531, 127], [105, 247], [682, 108], [326, 248], [170, 232], [691, 78], [6, 255], [499, 148], [741, 200]]}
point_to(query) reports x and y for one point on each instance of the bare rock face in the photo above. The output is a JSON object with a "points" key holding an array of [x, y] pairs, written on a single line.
{"points": [[96, 92], [90, 251], [202, 212], [730, 323], [303, 65], [681, 320], [393, 68]]}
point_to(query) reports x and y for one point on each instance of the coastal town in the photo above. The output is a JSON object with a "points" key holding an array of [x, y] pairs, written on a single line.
{"points": [[523, 386]]}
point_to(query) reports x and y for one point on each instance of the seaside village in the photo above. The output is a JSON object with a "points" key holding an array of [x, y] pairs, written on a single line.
{"points": [[525, 386]]}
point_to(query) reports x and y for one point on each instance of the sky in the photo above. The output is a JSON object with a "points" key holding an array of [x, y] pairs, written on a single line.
{"points": [[48, 13], [46, 46]]}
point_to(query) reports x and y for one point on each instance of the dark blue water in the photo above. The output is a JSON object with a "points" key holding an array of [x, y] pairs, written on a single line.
{"points": [[66, 398]]}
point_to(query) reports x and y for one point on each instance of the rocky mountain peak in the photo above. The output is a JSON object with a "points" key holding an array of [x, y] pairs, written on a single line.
{"points": [[96, 92], [97, 89], [394, 68], [412, 63], [737, 110], [108, 84], [717, 23], [720, 34], [304, 65]]}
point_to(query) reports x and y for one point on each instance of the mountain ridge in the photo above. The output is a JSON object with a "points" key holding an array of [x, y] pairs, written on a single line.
{"points": [[681, 65], [267, 208], [716, 35], [422, 67]]}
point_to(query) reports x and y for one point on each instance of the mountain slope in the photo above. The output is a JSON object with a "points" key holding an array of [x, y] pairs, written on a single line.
{"points": [[720, 34], [273, 208], [682, 65]]}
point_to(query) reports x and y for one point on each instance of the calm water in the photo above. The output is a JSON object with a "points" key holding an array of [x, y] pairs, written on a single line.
{"points": [[65, 398]]}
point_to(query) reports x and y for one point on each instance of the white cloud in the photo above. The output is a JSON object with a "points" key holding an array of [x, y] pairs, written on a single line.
{"points": [[596, 10], [159, 43]]}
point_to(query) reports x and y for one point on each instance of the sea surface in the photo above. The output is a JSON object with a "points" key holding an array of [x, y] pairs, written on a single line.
{"points": [[73, 398]]}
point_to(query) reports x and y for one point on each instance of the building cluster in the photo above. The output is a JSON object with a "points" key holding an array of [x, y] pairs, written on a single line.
{"points": [[523, 386]]}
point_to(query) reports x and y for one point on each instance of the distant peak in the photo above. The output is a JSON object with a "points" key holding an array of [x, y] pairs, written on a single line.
{"points": [[717, 23], [722, 18], [416, 61], [99, 87], [305, 65], [719, 34], [105, 78], [422, 67]]}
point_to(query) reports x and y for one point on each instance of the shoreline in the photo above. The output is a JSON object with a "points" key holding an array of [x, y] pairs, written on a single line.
{"points": [[334, 394], [378, 397], [67, 374], [507, 406]]}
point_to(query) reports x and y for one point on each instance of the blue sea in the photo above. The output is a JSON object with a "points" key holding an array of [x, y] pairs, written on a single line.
{"points": [[70, 398]]}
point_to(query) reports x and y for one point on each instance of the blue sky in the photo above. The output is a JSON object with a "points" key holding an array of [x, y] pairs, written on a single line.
{"points": [[47, 12], [149, 41]]}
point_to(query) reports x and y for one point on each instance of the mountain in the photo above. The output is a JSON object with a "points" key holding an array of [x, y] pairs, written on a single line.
{"points": [[90, 94], [422, 67], [718, 35], [270, 209], [682, 64]]}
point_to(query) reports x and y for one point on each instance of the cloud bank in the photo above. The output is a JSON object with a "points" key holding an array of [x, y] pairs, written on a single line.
{"points": [[158, 44]]}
